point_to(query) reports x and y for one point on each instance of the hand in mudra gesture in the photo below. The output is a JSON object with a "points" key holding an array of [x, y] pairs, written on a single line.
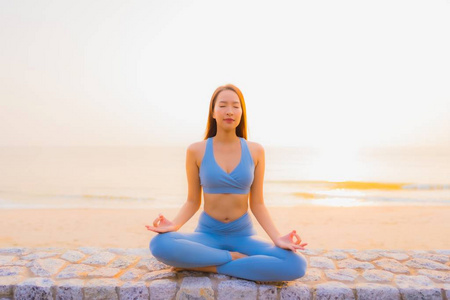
{"points": [[290, 241], [161, 224]]}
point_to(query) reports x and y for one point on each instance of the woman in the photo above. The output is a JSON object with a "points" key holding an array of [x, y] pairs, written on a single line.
{"points": [[231, 171]]}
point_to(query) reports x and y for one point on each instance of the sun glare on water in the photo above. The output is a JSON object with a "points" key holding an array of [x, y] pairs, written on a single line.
{"points": [[337, 163]]}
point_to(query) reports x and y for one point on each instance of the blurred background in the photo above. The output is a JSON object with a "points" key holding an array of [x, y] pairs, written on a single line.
{"points": [[99, 100]]}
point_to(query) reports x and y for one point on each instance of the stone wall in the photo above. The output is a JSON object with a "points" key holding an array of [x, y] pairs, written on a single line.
{"points": [[95, 273]]}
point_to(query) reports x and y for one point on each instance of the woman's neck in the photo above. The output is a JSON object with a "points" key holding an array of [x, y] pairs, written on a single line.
{"points": [[226, 137]]}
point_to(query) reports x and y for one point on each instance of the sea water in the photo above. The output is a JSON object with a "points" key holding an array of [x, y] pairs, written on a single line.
{"points": [[155, 177]]}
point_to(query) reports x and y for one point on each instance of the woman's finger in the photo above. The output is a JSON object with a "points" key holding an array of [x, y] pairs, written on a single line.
{"points": [[150, 228], [302, 246], [299, 246], [156, 221], [298, 239], [294, 234], [156, 229]]}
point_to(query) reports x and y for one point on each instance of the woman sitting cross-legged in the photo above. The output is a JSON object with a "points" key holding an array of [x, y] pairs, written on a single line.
{"points": [[230, 170]]}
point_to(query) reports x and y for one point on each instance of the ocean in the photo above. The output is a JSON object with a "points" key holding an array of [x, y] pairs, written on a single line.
{"points": [[155, 177]]}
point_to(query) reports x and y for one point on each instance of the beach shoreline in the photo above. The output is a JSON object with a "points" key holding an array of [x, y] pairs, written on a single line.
{"points": [[377, 227]]}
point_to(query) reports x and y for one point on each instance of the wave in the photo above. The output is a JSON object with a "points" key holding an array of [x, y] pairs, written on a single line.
{"points": [[79, 196], [370, 198], [363, 185], [111, 197]]}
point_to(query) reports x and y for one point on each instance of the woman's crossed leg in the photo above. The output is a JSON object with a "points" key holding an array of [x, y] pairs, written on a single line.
{"points": [[264, 261], [245, 257], [189, 250]]}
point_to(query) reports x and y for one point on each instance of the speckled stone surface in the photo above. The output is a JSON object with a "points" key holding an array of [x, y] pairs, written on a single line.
{"points": [[114, 273]]}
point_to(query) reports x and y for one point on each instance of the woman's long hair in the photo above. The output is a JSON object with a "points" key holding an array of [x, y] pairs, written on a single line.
{"points": [[211, 127]]}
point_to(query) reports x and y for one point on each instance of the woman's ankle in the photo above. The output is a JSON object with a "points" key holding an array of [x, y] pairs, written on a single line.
{"points": [[210, 269], [237, 255]]}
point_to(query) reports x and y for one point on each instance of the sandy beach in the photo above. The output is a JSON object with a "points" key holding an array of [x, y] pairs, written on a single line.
{"points": [[423, 228]]}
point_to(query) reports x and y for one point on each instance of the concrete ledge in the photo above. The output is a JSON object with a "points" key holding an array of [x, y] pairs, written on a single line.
{"points": [[100, 273]]}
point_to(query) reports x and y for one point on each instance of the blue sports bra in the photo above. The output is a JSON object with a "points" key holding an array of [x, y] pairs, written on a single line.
{"points": [[216, 181]]}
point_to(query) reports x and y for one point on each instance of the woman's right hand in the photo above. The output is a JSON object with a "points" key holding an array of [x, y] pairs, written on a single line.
{"points": [[288, 242], [161, 224]]}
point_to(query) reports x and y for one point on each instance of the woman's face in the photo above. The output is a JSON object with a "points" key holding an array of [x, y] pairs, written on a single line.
{"points": [[227, 109]]}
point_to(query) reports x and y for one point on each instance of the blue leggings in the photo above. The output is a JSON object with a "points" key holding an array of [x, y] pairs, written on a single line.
{"points": [[211, 243]]}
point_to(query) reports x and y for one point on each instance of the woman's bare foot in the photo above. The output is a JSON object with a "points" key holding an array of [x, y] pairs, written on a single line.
{"points": [[210, 269], [237, 255]]}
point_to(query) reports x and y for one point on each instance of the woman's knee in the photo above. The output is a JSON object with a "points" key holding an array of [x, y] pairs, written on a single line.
{"points": [[297, 265], [161, 244]]}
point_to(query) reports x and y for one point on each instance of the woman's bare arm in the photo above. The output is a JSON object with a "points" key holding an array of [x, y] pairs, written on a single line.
{"points": [[261, 212], [193, 201], [257, 205]]}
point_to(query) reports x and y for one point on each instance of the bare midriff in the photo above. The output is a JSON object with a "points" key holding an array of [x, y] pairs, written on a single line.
{"points": [[225, 207]]}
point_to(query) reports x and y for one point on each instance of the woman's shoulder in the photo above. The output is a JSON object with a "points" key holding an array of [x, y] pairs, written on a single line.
{"points": [[256, 150], [197, 150], [255, 146], [197, 146]]}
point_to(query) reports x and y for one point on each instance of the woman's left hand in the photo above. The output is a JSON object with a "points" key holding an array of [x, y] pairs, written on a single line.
{"points": [[290, 241], [161, 225]]}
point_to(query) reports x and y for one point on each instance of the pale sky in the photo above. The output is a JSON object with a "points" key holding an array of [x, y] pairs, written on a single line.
{"points": [[321, 74]]}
